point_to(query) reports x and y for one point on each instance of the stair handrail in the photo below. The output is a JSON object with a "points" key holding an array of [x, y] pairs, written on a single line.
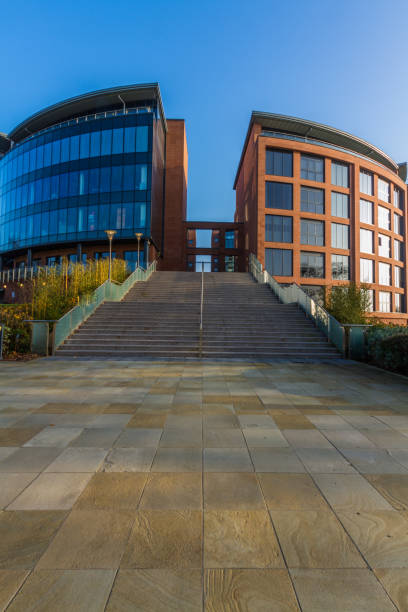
{"points": [[202, 296], [293, 294]]}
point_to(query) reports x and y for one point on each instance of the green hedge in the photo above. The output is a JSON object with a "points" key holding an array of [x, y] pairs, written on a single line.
{"points": [[17, 334], [387, 347]]}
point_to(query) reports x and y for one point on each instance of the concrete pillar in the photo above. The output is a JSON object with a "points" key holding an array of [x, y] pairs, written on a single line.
{"points": [[29, 258]]}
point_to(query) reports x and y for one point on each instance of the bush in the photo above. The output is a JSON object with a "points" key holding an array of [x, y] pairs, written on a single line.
{"points": [[387, 347], [348, 303], [17, 334]]}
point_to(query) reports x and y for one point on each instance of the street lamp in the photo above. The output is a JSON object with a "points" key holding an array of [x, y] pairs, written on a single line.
{"points": [[147, 254], [138, 236], [110, 234]]}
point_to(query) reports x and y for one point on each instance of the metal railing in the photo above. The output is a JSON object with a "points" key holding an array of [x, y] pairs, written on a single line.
{"points": [[23, 274], [202, 296], [349, 342]]}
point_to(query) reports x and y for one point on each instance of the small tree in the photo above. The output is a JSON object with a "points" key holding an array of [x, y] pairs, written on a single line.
{"points": [[348, 303]]}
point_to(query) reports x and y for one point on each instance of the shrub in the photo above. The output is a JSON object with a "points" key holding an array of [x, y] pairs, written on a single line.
{"points": [[387, 347], [17, 334], [348, 303]]}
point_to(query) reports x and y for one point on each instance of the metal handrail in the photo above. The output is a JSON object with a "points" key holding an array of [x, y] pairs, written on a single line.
{"points": [[202, 296]]}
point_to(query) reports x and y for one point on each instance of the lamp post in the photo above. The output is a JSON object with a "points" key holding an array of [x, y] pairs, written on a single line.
{"points": [[138, 236], [147, 254], [110, 234]]}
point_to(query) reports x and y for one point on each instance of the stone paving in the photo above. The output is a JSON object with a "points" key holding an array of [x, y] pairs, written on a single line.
{"points": [[166, 486]]}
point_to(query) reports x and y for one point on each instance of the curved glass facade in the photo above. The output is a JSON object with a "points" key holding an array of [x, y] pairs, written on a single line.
{"points": [[70, 183]]}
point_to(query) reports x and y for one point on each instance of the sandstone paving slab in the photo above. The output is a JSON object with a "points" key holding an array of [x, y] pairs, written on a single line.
{"points": [[309, 438], [17, 436], [238, 538], [348, 438], [324, 461], [401, 456], [54, 437], [89, 539], [186, 422], [393, 487], [24, 536], [51, 492], [173, 491], [249, 589], [112, 491], [68, 590], [222, 421], [9, 420], [98, 437], [396, 421], [56, 420], [178, 460], [350, 492], [164, 539], [10, 582], [77, 459], [381, 536], [224, 438], [111, 420], [340, 590], [363, 422], [256, 420], [158, 590], [329, 421], [395, 582], [232, 491], [6, 451], [259, 436], [314, 539], [11, 485], [374, 461], [291, 492], [276, 460], [287, 421], [71, 408], [388, 439], [179, 438], [129, 459], [29, 460], [138, 437], [149, 421], [227, 460]]}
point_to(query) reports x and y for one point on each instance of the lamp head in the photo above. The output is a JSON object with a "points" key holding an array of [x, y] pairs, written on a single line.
{"points": [[110, 233], [138, 235]]}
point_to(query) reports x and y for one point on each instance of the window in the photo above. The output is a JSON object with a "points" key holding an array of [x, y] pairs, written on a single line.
{"points": [[370, 293], [366, 182], [366, 241], [339, 174], [398, 277], [315, 292], [340, 267], [383, 190], [278, 262], [384, 245], [366, 212], [312, 232], [230, 240], [230, 262], [278, 195], [312, 168], [340, 205], [279, 163], [398, 224], [398, 298], [384, 218], [398, 198], [398, 253], [312, 200], [366, 271], [132, 257], [340, 236], [311, 265], [278, 228], [384, 273], [385, 301], [54, 261]]}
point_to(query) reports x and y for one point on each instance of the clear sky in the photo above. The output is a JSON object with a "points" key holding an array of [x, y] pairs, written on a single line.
{"points": [[343, 63]]}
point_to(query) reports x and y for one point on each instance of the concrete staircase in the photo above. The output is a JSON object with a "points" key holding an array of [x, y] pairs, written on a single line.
{"points": [[160, 318]]}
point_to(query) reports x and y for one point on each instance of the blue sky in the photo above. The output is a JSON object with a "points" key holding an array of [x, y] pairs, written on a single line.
{"points": [[341, 63]]}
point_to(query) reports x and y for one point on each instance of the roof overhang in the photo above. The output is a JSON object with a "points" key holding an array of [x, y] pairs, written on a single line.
{"points": [[4, 143], [316, 131], [93, 102]]}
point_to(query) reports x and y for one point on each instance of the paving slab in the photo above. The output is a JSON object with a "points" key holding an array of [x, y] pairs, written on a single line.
{"points": [[54, 437], [179, 438], [395, 582], [77, 459], [178, 460], [139, 437], [129, 459], [260, 436], [393, 487], [11, 486], [172, 491], [99, 437], [112, 491], [10, 582], [308, 438], [224, 438], [227, 460], [291, 492], [374, 461], [350, 492], [276, 460], [232, 491], [29, 460], [51, 492], [324, 461]]}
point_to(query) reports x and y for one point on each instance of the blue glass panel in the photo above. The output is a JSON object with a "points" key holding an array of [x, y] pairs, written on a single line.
{"points": [[82, 219], [47, 155], [104, 185], [141, 177], [103, 217], [62, 221], [128, 178], [45, 219], [92, 218], [74, 148], [84, 146], [116, 181], [142, 139], [54, 187], [56, 146], [130, 140], [94, 180], [64, 150], [95, 144], [72, 220], [83, 182], [117, 141], [63, 186], [106, 144]]}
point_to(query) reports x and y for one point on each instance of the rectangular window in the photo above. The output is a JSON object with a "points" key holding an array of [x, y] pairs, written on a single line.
{"points": [[398, 298], [366, 182], [340, 236], [371, 300], [366, 271], [312, 200], [74, 148], [312, 168], [95, 144], [366, 212], [384, 218], [117, 141], [106, 142], [311, 265], [130, 140], [278, 228], [279, 163], [84, 146], [398, 224], [278, 195], [366, 241], [312, 232], [339, 205], [339, 174], [340, 267], [398, 198], [230, 239], [278, 262], [383, 190], [398, 253], [384, 273], [142, 139], [385, 301], [398, 277], [384, 245]]}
